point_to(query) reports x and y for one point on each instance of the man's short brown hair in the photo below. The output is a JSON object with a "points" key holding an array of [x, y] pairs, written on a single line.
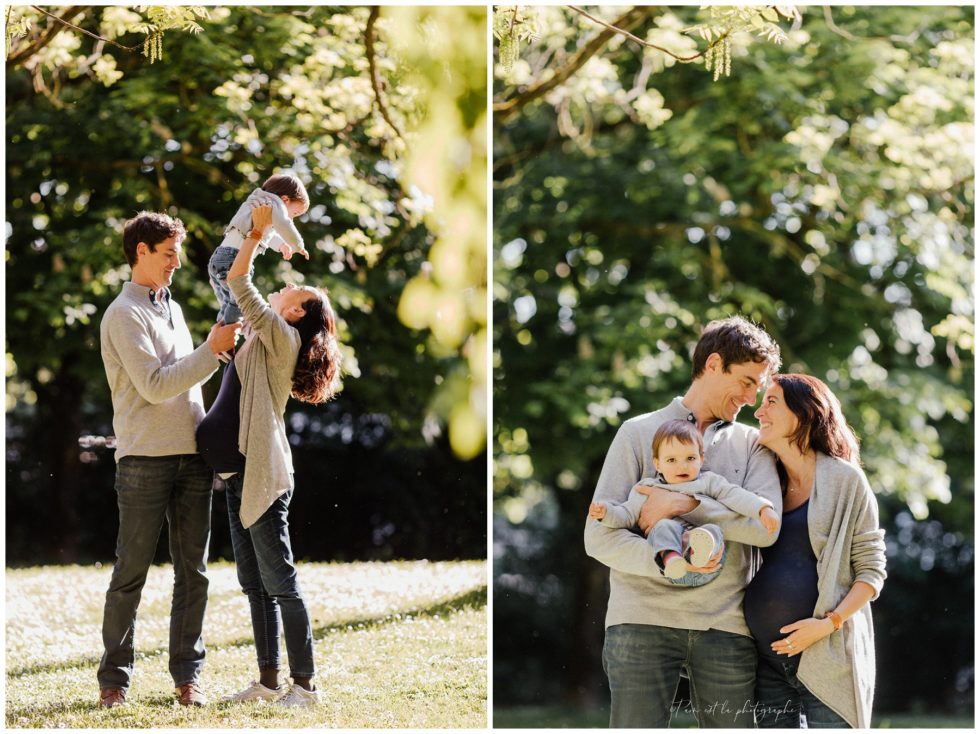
{"points": [[736, 340], [151, 228], [677, 430]]}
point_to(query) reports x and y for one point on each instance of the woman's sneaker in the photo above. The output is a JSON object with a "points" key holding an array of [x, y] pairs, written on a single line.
{"points": [[700, 546], [255, 692], [299, 697]]}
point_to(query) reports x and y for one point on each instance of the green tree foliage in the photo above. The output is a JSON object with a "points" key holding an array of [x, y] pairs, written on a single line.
{"points": [[46, 42], [449, 299], [551, 62], [320, 91], [825, 190]]}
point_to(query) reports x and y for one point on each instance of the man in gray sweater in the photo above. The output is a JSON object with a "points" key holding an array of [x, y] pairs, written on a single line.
{"points": [[155, 377], [655, 630]]}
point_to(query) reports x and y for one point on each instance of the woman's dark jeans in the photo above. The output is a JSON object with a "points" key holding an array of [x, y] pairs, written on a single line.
{"points": [[268, 577], [781, 700]]}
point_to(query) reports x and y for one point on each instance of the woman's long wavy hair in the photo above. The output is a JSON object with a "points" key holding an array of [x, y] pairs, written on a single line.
{"points": [[317, 375], [822, 425]]}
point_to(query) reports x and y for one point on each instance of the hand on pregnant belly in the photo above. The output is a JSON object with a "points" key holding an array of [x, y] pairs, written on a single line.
{"points": [[801, 635]]}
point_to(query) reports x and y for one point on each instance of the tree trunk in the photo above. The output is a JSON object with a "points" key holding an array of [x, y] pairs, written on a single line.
{"points": [[588, 596], [58, 430]]}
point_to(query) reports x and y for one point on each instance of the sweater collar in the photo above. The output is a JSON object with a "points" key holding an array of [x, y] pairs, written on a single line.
{"points": [[678, 411], [160, 297], [134, 290]]}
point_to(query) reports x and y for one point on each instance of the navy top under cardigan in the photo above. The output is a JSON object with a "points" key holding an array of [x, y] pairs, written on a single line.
{"points": [[785, 588], [217, 434]]}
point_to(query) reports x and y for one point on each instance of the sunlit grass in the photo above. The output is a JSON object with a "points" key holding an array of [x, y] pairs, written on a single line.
{"points": [[396, 645]]}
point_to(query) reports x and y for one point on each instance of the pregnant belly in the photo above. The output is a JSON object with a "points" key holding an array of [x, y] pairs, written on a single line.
{"points": [[784, 591]]}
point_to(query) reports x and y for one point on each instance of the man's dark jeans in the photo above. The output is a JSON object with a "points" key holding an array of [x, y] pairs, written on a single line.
{"points": [[150, 489], [783, 700], [267, 575], [644, 664]]}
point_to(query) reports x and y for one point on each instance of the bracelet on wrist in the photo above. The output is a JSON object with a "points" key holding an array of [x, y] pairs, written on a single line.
{"points": [[835, 619], [254, 235]]}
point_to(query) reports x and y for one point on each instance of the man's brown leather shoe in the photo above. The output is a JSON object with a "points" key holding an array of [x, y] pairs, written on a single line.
{"points": [[190, 694], [110, 697]]}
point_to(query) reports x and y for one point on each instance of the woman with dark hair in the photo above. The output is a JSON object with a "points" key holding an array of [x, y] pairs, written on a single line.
{"points": [[291, 349], [808, 606]]}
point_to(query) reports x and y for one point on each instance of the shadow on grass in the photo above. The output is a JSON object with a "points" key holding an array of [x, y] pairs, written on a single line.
{"points": [[72, 707], [474, 599], [85, 706]]}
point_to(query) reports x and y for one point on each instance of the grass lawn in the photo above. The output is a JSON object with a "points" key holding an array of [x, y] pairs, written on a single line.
{"points": [[550, 717], [398, 644]]}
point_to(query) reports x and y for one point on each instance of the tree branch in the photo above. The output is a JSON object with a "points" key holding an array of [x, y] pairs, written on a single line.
{"points": [[504, 111], [53, 30], [96, 36], [791, 248], [829, 20], [373, 68], [834, 28], [640, 41]]}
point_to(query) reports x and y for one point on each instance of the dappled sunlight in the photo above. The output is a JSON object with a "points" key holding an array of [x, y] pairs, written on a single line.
{"points": [[825, 190]]}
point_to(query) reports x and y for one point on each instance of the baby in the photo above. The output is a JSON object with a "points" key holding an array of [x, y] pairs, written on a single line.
{"points": [[678, 453], [288, 198]]}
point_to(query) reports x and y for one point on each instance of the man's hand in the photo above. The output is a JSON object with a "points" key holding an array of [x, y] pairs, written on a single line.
{"points": [[222, 338], [662, 503], [713, 564]]}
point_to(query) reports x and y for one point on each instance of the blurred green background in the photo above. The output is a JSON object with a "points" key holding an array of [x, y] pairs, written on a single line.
{"points": [[825, 188], [382, 113]]}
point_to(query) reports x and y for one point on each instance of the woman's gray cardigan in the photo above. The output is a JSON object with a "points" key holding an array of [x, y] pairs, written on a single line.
{"points": [[265, 365], [849, 546]]}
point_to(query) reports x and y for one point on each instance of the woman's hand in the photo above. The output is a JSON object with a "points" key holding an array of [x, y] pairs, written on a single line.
{"points": [[261, 218], [803, 634]]}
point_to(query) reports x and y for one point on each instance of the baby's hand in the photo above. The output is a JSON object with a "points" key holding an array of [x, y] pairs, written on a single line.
{"points": [[770, 521], [288, 253], [597, 510]]}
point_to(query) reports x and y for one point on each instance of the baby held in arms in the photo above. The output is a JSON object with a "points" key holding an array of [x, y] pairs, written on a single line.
{"points": [[678, 453]]}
